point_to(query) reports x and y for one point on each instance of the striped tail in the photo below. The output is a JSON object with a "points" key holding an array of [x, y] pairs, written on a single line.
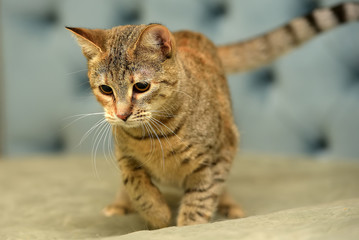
{"points": [[261, 50]]}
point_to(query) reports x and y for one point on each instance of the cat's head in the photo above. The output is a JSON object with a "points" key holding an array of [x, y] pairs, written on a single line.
{"points": [[131, 69]]}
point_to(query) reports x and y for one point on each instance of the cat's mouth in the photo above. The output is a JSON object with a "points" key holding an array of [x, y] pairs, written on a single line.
{"points": [[130, 122], [125, 124]]}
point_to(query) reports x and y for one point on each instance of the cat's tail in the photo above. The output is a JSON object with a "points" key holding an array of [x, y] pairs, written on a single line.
{"points": [[261, 50]]}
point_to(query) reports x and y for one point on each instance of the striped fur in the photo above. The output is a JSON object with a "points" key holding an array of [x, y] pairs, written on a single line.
{"points": [[256, 52], [180, 130]]}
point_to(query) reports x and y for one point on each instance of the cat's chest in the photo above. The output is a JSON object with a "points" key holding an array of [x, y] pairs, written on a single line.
{"points": [[161, 159]]}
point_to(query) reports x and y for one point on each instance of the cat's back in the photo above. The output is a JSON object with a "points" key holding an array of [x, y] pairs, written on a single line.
{"points": [[206, 82], [198, 50], [194, 40]]}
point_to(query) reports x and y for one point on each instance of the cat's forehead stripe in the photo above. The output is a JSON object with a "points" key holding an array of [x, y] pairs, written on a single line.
{"points": [[122, 38]]}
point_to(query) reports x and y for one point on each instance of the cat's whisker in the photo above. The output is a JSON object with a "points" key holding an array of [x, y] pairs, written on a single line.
{"points": [[169, 143], [97, 124], [159, 122], [116, 143], [158, 112], [79, 117], [109, 155], [154, 110], [112, 142], [170, 124], [99, 135], [84, 114], [71, 73], [111, 146], [115, 135], [93, 158], [104, 139], [143, 130], [162, 114], [105, 132], [169, 110], [145, 124], [153, 146], [161, 131], [88, 132], [151, 151], [159, 140], [186, 94], [165, 135]]}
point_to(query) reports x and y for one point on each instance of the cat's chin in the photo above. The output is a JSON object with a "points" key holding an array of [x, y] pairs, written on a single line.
{"points": [[127, 124]]}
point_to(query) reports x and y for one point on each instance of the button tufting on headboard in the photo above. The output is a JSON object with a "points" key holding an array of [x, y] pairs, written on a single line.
{"points": [[319, 145], [216, 9], [130, 15], [261, 81], [281, 108], [50, 17], [309, 5], [82, 85], [354, 76]]}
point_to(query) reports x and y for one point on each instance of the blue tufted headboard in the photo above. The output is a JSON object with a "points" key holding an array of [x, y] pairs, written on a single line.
{"points": [[305, 103]]}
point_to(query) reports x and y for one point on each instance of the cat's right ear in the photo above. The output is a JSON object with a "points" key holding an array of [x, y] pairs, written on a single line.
{"points": [[158, 40], [92, 41]]}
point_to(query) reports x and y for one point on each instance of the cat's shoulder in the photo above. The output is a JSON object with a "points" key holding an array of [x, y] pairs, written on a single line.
{"points": [[194, 42], [186, 37]]}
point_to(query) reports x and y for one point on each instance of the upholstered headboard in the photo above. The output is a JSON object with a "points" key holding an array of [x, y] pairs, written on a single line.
{"points": [[305, 103]]}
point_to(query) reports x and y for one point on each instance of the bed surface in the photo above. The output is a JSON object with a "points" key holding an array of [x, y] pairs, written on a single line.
{"points": [[61, 197]]}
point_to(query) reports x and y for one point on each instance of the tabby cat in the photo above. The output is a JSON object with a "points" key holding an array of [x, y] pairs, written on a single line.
{"points": [[166, 96]]}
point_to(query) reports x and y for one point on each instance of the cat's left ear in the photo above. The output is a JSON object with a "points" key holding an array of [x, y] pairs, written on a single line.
{"points": [[157, 37], [92, 41]]}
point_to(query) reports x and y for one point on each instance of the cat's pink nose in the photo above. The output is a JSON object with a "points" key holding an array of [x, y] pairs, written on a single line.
{"points": [[124, 116]]}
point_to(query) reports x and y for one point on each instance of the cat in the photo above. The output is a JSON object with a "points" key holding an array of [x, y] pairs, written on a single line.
{"points": [[166, 96]]}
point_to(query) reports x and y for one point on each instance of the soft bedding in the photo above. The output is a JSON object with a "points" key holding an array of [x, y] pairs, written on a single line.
{"points": [[61, 197]]}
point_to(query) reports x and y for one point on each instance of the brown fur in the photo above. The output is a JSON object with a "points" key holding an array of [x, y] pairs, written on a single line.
{"points": [[181, 130]]}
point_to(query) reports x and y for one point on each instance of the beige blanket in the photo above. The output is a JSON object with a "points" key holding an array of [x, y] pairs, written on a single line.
{"points": [[61, 197]]}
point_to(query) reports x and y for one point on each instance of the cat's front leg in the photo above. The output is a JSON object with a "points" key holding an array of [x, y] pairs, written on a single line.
{"points": [[202, 192], [143, 194]]}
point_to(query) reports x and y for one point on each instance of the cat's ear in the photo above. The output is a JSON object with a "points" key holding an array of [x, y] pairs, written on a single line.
{"points": [[157, 37], [92, 41]]}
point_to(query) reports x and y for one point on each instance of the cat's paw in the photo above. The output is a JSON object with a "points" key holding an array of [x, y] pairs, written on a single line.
{"points": [[117, 209], [228, 207], [159, 218], [231, 211], [190, 218]]}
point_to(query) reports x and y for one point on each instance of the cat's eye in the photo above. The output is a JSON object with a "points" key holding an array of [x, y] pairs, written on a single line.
{"points": [[141, 87], [106, 89]]}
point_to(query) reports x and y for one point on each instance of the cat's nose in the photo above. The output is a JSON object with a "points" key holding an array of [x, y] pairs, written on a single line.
{"points": [[124, 116]]}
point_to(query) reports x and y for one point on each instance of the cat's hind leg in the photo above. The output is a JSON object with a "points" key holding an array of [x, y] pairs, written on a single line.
{"points": [[121, 206], [228, 207]]}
